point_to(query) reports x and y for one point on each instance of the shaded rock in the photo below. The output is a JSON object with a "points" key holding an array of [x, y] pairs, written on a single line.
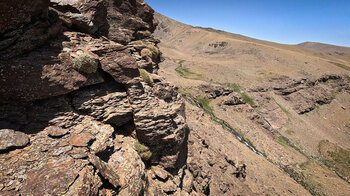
{"points": [[43, 73], [86, 16], [129, 20], [54, 131], [24, 25], [10, 139]]}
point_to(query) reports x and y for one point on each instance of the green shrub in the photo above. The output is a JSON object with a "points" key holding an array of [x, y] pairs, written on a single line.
{"points": [[205, 103], [143, 150], [247, 99], [85, 64], [146, 77], [154, 50]]}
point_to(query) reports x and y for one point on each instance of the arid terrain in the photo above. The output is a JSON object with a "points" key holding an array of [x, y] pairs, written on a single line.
{"points": [[97, 99], [291, 103]]}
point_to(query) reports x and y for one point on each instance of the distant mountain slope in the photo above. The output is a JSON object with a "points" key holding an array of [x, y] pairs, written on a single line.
{"points": [[295, 107], [325, 47]]}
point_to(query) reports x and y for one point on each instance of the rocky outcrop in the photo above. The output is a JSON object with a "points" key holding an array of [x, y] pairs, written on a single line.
{"points": [[120, 20], [74, 109], [307, 93]]}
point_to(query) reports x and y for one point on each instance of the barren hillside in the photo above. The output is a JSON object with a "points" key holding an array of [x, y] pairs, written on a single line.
{"points": [[289, 104]]}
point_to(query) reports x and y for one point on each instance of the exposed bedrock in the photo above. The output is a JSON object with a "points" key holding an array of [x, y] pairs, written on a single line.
{"points": [[76, 115]]}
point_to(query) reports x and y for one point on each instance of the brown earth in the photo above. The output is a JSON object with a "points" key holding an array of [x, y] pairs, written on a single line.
{"points": [[284, 100]]}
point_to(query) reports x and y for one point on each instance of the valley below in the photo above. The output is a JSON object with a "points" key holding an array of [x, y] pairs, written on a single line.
{"points": [[289, 105]]}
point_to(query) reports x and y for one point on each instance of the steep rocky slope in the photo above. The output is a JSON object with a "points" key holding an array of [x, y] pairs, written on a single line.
{"points": [[287, 103], [82, 110]]}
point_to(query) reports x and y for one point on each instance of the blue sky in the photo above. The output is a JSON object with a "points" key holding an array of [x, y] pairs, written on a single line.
{"points": [[283, 21]]}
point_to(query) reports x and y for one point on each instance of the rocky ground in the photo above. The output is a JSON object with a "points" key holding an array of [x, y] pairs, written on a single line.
{"points": [[83, 111]]}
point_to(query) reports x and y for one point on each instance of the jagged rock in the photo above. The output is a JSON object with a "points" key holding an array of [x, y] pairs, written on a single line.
{"points": [[129, 166], [129, 20], [86, 16], [25, 25], [107, 104], [233, 99], [52, 178], [12, 139], [169, 187], [117, 61], [87, 183], [307, 99], [81, 99], [187, 181], [213, 91], [306, 94], [160, 173], [105, 170], [55, 131], [159, 124]]}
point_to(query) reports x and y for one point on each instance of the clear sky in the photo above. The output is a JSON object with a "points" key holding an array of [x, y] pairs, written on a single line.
{"points": [[283, 21]]}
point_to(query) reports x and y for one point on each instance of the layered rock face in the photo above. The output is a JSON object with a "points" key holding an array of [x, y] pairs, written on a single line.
{"points": [[76, 116]]}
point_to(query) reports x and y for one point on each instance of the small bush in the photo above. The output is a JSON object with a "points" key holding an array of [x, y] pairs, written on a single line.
{"points": [[234, 87], [143, 150], [246, 98], [146, 53], [154, 50], [146, 77], [85, 64], [137, 43], [282, 141]]}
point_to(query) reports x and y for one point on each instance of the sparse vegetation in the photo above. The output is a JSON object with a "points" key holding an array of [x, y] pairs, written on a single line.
{"points": [[143, 150], [236, 88], [247, 99], [85, 64], [301, 176], [282, 141], [146, 77], [205, 103], [289, 132], [336, 158], [186, 73], [154, 51]]}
